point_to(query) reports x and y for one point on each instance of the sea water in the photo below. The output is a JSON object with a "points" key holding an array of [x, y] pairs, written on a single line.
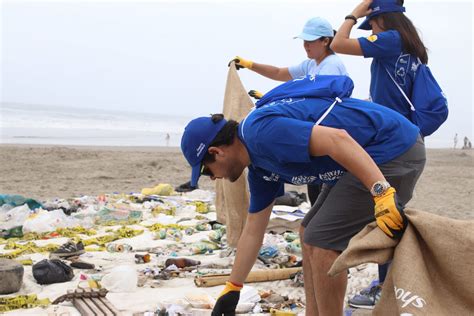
{"points": [[54, 125]]}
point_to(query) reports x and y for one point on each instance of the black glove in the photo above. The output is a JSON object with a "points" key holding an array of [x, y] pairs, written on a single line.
{"points": [[227, 301]]}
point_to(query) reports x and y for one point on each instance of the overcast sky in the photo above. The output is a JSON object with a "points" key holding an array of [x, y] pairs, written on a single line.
{"points": [[171, 56]]}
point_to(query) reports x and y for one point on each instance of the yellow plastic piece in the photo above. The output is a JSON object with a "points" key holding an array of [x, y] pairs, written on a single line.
{"points": [[22, 301], [161, 189], [278, 312]]}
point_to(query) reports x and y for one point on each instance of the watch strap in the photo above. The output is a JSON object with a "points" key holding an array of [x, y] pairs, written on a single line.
{"points": [[351, 17]]}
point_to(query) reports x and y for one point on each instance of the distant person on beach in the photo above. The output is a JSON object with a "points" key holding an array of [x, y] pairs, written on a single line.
{"points": [[317, 35], [467, 143], [371, 156], [396, 48], [167, 138], [456, 140]]}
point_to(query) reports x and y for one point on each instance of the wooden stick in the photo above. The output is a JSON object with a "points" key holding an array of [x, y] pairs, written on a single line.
{"points": [[82, 307], [109, 305], [254, 276]]}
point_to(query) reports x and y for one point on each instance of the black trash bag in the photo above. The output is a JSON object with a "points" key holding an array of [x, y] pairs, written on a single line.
{"points": [[291, 198], [52, 271]]}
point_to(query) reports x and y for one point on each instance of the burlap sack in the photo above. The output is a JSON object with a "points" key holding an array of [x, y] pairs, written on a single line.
{"points": [[432, 270], [232, 199]]}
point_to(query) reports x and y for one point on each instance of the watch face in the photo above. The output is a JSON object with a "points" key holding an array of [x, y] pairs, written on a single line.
{"points": [[378, 188]]}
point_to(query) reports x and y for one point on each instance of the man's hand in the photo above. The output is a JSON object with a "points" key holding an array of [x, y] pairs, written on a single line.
{"points": [[241, 63], [227, 300], [255, 94], [389, 214]]}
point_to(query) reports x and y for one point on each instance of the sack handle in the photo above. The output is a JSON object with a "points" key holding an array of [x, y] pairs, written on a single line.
{"points": [[401, 90]]}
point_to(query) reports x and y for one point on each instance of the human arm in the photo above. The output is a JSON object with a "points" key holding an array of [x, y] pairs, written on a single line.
{"points": [[342, 43], [341, 147], [249, 244], [269, 71], [247, 252]]}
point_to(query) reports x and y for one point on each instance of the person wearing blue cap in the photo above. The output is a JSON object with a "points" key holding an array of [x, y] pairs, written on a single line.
{"points": [[397, 50], [317, 35], [309, 130]]}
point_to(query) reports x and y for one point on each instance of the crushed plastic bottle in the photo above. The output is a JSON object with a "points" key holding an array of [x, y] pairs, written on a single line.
{"points": [[216, 235], [289, 237], [174, 234], [268, 251], [203, 227]]}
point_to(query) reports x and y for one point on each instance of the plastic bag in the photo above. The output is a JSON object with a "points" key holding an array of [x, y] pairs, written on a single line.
{"points": [[46, 221], [52, 271], [120, 279], [14, 217]]}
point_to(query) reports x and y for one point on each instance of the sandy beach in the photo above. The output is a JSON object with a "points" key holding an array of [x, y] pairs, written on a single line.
{"points": [[48, 172], [44, 172]]}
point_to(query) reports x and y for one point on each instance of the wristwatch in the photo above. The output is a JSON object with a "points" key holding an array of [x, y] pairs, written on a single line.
{"points": [[379, 188], [351, 17]]}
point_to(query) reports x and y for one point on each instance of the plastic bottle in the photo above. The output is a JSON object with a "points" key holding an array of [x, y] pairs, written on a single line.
{"points": [[174, 234], [161, 234], [290, 236], [142, 258], [216, 226], [119, 248], [182, 262], [216, 235], [189, 231], [203, 227]]}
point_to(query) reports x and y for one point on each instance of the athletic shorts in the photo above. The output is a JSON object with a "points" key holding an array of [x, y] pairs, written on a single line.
{"points": [[343, 210]]}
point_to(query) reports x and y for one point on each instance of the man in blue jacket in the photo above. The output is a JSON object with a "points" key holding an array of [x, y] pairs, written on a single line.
{"points": [[309, 131]]}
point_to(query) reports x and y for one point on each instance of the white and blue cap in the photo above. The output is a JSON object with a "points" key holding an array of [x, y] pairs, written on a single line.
{"points": [[316, 28], [197, 136]]}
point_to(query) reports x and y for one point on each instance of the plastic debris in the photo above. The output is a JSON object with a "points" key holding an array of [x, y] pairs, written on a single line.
{"points": [[119, 248], [160, 189], [22, 301]]}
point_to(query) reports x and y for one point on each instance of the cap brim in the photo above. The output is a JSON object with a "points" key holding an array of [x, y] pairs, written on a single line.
{"points": [[365, 25], [196, 173], [307, 37]]}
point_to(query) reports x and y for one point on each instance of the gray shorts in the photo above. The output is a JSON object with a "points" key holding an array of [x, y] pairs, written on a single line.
{"points": [[343, 210]]}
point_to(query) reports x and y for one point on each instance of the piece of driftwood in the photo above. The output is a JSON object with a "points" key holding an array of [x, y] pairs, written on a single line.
{"points": [[254, 276]]}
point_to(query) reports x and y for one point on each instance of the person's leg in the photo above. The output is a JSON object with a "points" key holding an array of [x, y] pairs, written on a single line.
{"points": [[311, 305], [346, 210], [329, 290], [402, 173]]}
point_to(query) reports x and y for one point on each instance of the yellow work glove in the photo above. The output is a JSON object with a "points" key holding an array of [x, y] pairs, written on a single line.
{"points": [[241, 63], [227, 300], [255, 94], [389, 214]]}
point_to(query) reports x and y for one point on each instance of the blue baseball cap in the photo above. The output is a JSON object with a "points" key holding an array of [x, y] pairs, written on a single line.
{"points": [[197, 136], [378, 7], [316, 28]]}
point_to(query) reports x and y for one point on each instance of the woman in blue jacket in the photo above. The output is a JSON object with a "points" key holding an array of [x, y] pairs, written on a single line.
{"points": [[396, 51]]}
